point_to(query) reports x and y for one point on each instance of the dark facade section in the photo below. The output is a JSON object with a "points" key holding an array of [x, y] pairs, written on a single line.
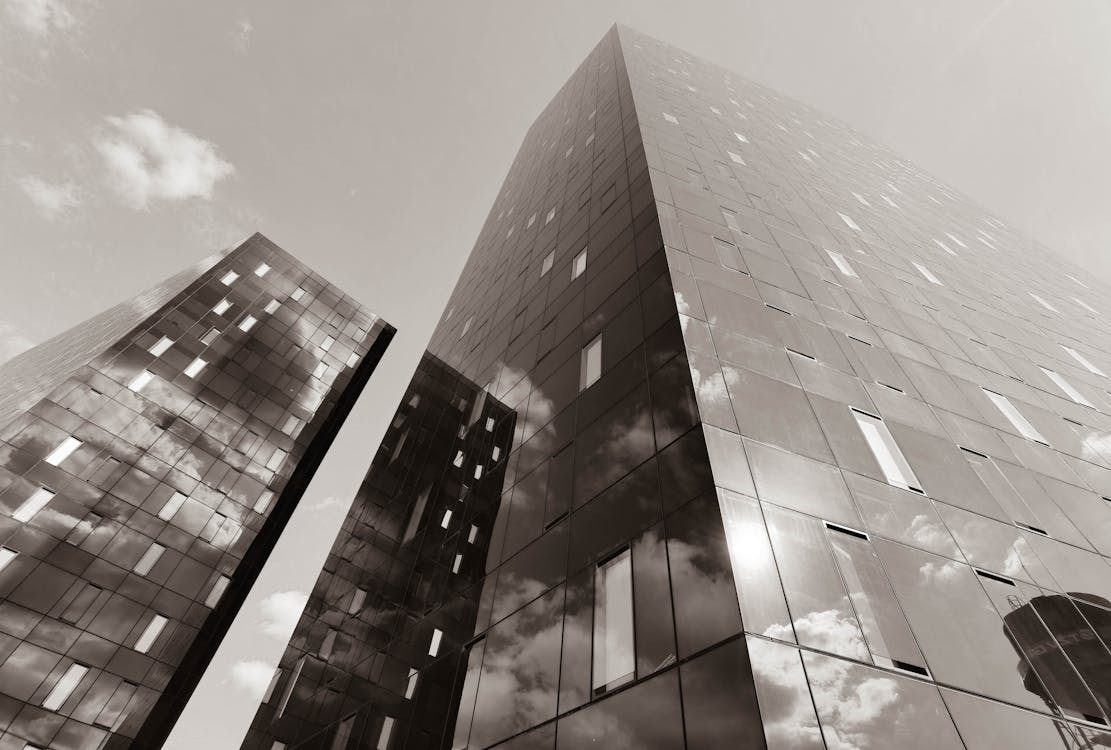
{"points": [[144, 486]]}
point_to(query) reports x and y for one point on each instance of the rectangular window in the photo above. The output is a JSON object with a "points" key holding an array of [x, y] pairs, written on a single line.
{"points": [[888, 201], [447, 518], [289, 687], [736, 158], [263, 502], [328, 341], [1014, 416], [172, 506], [32, 505], [551, 214], [531, 221], [943, 246], [195, 367], [1085, 305], [276, 460], [64, 450], [466, 326], [272, 307], [222, 306], [1065, 386], [1083, 360], [229, 278], [886, 451], [579, 265], [614, 662], [1042, 302], [740, 137], [149, 558], [546, 266], [458, 561], [411, 683], [849, 222], [298, 293], [291, 424], [384, 735], [357, 601], [217, 591], [861, 199], [472, 534], [591, 368], [270, 688], [6, 556], [64, 687], [353, 359], [159, 348], [139, 381], [842, 264], [210, 336], [927, 273], [150, 634], [328, 644], [262, 270], [247, 323], [434, 645], [320, 371]]}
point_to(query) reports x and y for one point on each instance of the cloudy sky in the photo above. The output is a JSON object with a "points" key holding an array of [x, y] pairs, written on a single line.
{"points": [[369, 138]]}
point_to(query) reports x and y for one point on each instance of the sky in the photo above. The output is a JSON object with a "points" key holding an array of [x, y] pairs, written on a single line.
{"points": [[370, 138]]}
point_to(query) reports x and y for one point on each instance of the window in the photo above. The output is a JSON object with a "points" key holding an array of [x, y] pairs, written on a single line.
{"points": [[195, 367], [927, 273], [149, 558], [172, 506], [411, 683], [139, 381], [456, 563], [320, 371], [736, 157], [6, 556], [298, 293], [546, 266], [327, 343], [466, 326], [591, 368], [64, 450], [229, 278], [849, 222], [1065, 386], [64, 687], [549, 217], [861, 199], [956, 239], [614, 663], [578, 266], [489, 424], [384, 735], [275, 461], [472, 534], [352, 359], [943, 246], [842, 264], [1014, 416], [247, 323], [289, 687], [150, 634], [217, 591], [447, 518], [210, 336], [272, 306], [1042, 302], [222, 306], [328, 644], [357, 601], [263, 502], [671, 118], [740, 137], [892, 463], [159, 348], [291, 424], [1085, 305], [32, 505], [434, 645], [262, 270], [1083, 360], [888, 201]]}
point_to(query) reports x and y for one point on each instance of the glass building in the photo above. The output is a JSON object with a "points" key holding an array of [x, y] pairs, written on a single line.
{"points": [[149, 459], [738, 431]]}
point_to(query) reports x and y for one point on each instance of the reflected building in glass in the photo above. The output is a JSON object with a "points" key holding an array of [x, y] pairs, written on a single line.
{"points": [[749, 434], [149, 459]]}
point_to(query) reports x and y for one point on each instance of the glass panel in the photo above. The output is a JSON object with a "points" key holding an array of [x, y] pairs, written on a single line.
{"points": [[719, 700], [891, 460], [32, 505], [1015, 417], [613, 623], [655, 624], [645, 717], [467, 697], [988, 725], [786, 708], [64, 687], [63, 451]]}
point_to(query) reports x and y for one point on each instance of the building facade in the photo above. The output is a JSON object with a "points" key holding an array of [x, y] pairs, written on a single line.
{"points": [[151, 457], [749, 434]]}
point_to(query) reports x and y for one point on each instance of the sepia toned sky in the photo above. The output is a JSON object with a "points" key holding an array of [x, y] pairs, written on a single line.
{"points": [[369, 139]]}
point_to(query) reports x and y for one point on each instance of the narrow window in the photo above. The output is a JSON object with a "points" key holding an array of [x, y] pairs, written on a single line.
{"points": [[579, 265], [456, 563], [736, 158], [943, 246], [1083, 360], [842, 264], [740, 137], [139, 381], [1014, 416], [221, 306], [888, 201], [229, 278], [195, 367], [343, 733], [411, 683], [172, 506], [352, 359], [927, 273], [1085, 305], [495, 453], [320, 371], [149, 558], [32, 505], [531, 221], [447, 518], [276, 460], [64, 687], [291, 424], [217, 592], [159, 347], [849, 221], [263, 502], [272, 307], [64, 450], [328, 644], [489, 424], [327, 344], [591, 368], [466, 326], [434, 645], [210, 336], [289, 687], [247, 323], [886, 451], [1065, 386], [956, 239], [298, 293], [150, 634], [546, 266], [270, 688], [1042, 302], [6, 556], [613, 623], [472, 534], [357, 601], [262, 270], [384, 735], [550, 216], [861, 199], [671, 118]]}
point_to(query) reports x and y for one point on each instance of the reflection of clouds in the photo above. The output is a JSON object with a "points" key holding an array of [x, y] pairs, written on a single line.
{"points": [[851, 705], [789, 720], [515, 590], [626, 443], [645, 717], [1096, 448], [926, 533], [939, 572], [830, 630]]}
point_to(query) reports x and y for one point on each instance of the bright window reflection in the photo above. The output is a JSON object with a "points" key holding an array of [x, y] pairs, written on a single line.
{"points": [[1015, 417], [139, 381], [64, 450], [614, 662], [32, 505], [591, 368], [578, 267], [159, 347], [1067, 387], [64, 687], [1083, 360], [150, 634], [892, 463]]}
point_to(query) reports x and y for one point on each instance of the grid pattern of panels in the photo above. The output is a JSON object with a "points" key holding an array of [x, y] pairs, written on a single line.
{"points": [[132, 491], [907, 412]]}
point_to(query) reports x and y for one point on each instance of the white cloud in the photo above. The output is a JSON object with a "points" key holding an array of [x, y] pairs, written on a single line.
{"points": [[40, 18], [53, 201], [241, 37], [150, 160], [252, 676], [280, 612], [12, 342]]}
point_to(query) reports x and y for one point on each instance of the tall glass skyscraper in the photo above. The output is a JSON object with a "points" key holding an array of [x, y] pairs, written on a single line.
{"points": [[738, 431], [149, 459]]}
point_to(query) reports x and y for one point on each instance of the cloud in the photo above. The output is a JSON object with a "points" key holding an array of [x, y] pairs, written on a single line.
{"points": [[53, 201], [252, 676], [148, 160], [39, 18], [241, 37], [329, 503], [12, 342], [280, 612]]}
